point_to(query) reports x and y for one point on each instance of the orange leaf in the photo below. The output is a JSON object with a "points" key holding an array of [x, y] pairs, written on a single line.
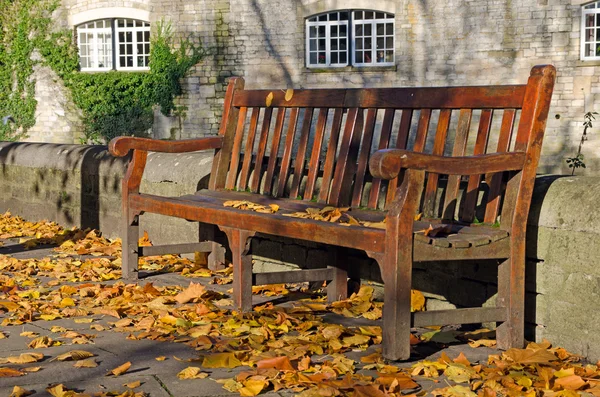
{"points": [[528, 356], [280, 363], [368, 391], [194, 291], [10, 372], [571, 382], [120, 370]]}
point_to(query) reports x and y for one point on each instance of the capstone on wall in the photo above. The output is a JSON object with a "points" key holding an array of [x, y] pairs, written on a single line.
{"points": [[437, 43]]}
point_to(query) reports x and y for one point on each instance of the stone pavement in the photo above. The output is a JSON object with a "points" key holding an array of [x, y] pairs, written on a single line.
{"points": [[158, 378]]}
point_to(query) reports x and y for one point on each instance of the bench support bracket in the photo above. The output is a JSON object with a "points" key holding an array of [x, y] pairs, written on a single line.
{"points": [[239, 244]]}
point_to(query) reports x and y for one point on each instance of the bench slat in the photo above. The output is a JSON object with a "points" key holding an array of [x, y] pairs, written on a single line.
{"points": [[262, 147], [284, 170], [301, 154], [274, 150], [481, 143], [401, 143], [237, 148], [248, 149], [334, 135], [294, 276], [495, 180], [460, 147], [458, 316], [346, 162], [429, 209], [365, 151], [313, 167], [474, 97]]}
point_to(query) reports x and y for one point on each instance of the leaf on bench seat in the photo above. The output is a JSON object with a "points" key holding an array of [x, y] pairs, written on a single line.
{"points": [[248, 205], [437, 231]]}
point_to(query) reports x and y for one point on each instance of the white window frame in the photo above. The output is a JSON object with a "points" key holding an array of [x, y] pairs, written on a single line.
{"points": [[114, 30], [95, 31], [590, 9], [328, 25], [350, 24], [134, 30], [373, 22]]}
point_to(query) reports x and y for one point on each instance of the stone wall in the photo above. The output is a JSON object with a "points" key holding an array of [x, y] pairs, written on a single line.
{"points": [[79, 185]]}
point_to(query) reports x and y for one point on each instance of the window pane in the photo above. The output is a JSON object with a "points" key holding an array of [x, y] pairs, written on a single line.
{"points": [[121, 37], [358, 30], [380, 42], [597, 50], [312, 31], [321, 44], [333, 16], [380, 29], [129, 49], [389, 29], [343, 57], [343, 31], [358, 56], [334, 57], [389, 56], [147, 36], [368, 14], [121, 23], [122, 49], [323, 17], [334, 45], [322, 58], [147, 48], [358, 15], [389, 42], [379, 15], [129, 37], [130, 23], [312, 58], [367, 43], [368, 30], [597, 19], [312, 45], [589, 33], [344, 16], [343, 45], [334, 31], [122, 62], [359, 44], [140, 36], [140, 49], [380, 56], [84, 62], [368, 57], [321, 31]]}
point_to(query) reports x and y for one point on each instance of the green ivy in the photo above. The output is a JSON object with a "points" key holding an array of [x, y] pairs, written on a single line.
{"points": [[112, 103], [23, 24]]}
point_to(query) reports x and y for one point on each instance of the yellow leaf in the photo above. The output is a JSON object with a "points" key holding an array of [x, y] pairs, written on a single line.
{"points": [[32, 369], [160, 358], [133, 385], [418, 216], [89, 363], [41, 342], [252, 387], [417, 301], [49, 317], [274, 207], [221, 360], [83, 320], [120, 370], [23, 358], [67, 302], [29, 334], [58, 391], [356, 340], [482, 342], [18, 391], [192, 373], [269, 99], [74, 355], [529, 356], [289, 93]]}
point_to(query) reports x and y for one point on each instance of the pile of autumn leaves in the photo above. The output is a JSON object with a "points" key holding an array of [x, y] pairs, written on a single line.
{"points": [[280, 349]]}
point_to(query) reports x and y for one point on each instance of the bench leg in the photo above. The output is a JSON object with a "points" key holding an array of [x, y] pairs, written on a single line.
{"points": [[239, 244], [511, 295], [129, 254], [337, 289], [216, 256]]}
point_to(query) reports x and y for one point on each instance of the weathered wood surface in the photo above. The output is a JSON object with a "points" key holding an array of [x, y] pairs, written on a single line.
{"points": [[386, 153]]}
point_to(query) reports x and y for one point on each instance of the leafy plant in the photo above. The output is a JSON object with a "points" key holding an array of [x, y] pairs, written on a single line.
{"points": [[578, 161]]}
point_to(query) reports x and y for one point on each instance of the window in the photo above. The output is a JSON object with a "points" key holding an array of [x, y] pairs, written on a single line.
{"points": [[350, 37], [121, 44], [590, 31]]}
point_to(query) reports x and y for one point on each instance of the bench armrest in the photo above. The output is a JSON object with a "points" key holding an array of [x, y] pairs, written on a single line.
{"points": [[120, 146], [387, 163]]}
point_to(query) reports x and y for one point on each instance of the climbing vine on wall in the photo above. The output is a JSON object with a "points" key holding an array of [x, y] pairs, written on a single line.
{"points": [[23, 24], [112, 103]]}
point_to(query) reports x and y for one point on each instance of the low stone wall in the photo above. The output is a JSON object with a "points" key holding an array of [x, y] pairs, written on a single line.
{"points": [[80, 186]]}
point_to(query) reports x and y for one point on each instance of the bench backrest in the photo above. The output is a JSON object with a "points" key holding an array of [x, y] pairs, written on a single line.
{"points": [[316, 145]]}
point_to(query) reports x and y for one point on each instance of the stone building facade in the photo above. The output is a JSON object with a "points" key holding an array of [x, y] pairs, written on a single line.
{"points": [[435, 44]]}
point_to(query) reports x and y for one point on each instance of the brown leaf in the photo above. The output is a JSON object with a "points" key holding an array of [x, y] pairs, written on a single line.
{"points": [[221, 360], [23, 358], [120, 370], [571, 382], [368, 391], [529, 356], [89, 363], [10, 372], [482, 342], [133, 385], [194, 291], [280, 363]]}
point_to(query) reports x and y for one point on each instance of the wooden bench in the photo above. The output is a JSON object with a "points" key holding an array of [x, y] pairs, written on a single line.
{"points": [[386, 153]]}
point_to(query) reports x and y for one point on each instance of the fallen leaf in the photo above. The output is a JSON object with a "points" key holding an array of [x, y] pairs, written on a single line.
{"points": [[133, 385], [192, 373], [23, 358], [252, 387], [280, 363], [529, 356], [221, 360], [160, 358], [10, 372], [89, 363], [18, 391], [74, 355], [120, 370], [289, 93]]}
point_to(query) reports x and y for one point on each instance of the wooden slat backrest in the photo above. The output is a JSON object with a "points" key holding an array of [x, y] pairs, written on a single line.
{"points": [[322, 139]]}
